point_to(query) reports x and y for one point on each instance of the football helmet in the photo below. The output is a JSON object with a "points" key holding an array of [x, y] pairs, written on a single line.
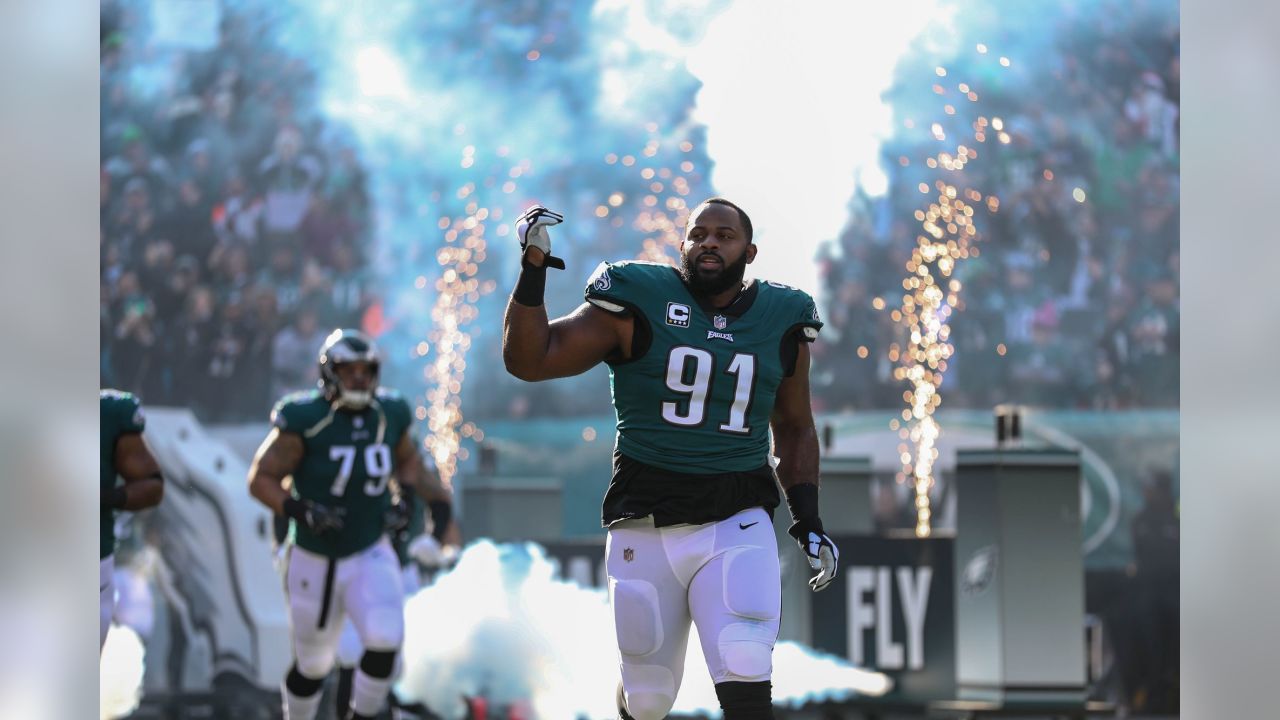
{"points": [[345, 345]]}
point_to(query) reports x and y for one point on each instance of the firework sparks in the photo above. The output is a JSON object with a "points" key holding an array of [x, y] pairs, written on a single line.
{"points": [[948, 232], [445, 349], [667, 178]]}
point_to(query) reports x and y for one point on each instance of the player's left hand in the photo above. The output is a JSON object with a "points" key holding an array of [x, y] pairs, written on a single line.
{"points": [[822, 553]]}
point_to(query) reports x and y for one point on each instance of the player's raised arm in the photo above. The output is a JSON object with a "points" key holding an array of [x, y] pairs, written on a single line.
{"points": [[143, 485], [535, 349], [795, 443]]}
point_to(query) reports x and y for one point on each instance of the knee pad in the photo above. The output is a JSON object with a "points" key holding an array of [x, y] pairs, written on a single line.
{"points": [[636, 617], [378, 663], [746, 649], [314, 662], [384, 629], [647, 706], [746, 642], [650, 691], [301, 685], [746, 700]]}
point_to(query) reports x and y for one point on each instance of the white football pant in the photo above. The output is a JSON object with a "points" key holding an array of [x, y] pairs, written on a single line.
{"points": [[723, 576]]}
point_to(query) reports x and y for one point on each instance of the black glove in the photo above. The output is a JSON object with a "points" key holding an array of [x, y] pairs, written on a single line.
{"points": [[822, 553], [532, 230], [441, 513], [318, 518], [399, 515]]}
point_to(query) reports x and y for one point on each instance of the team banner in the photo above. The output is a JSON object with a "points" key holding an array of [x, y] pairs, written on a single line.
{"points": [[892, 609]]}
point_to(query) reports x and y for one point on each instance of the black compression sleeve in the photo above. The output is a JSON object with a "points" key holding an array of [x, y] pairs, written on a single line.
{"points": [[441, 513], [802, 500], [531, 284]]}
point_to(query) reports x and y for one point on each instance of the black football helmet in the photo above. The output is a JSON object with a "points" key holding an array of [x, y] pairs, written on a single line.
{"points": [[345, 345]]}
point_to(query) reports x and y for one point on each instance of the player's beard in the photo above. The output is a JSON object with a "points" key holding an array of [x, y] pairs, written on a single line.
{"points": [[708, 282]]}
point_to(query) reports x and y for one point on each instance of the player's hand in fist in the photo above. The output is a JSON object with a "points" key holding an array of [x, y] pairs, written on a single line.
{"points": [[318, 518], [532, 230]]}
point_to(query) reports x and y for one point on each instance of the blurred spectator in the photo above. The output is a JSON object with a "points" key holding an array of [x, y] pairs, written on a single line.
{"points": [[352, 288], [192, 336], [283, 276], [1153, 332], [294, 351], [1156, 535], [1154, 114], [287, 178], [133, 337]]}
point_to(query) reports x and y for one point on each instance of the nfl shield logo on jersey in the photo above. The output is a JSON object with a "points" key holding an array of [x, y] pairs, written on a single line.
{"points": [[628, 554], [720, 322]]}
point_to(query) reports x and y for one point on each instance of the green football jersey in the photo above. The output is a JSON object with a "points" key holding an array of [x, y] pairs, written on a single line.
{"points": [[347, 461], [698, 399], [120, 413]]}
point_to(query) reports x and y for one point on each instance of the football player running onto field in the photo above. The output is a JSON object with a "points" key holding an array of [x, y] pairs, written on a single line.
{"points": [[703, 366], [124, 454], [341, 444]]}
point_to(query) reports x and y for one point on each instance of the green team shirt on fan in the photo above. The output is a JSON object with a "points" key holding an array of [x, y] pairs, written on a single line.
{"points": [[346, 462], [120, 413], [699, 398]]}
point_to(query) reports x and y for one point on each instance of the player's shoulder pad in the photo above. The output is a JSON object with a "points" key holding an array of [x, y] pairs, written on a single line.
{"points": [[797, 308], [613, 286], [122, 408], [298, 411]]}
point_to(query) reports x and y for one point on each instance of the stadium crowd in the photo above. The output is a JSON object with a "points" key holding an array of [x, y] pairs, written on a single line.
{"points": [[236, 223], [1072, 301], [234, 219]]}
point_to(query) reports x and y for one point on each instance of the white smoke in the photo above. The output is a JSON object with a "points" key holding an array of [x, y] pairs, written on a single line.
{"points": [[500, 625], [120, 673]]}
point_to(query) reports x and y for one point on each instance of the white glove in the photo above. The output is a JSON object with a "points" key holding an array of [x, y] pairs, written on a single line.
{"points": [[426, 550], [532, 230], [823, 556]]}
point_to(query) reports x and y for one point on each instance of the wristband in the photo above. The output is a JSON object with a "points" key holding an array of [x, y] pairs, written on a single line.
{"points": [[441, 513], [531, 284], [802, 500]]}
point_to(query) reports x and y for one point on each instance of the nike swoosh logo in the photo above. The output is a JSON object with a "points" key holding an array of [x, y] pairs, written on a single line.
{"points": [[744, 527]]}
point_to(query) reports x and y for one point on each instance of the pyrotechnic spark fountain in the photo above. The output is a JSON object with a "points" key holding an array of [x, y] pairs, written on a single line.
{"points": [[932, 295], [457, 292], [663, 205]]}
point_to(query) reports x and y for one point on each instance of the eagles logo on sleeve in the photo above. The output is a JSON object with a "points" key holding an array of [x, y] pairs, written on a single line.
{"points": [[600, 279]]}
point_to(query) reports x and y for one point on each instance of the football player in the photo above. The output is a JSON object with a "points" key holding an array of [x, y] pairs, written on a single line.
{"points": [[705, 368], [124, 456], [341, 443]]}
